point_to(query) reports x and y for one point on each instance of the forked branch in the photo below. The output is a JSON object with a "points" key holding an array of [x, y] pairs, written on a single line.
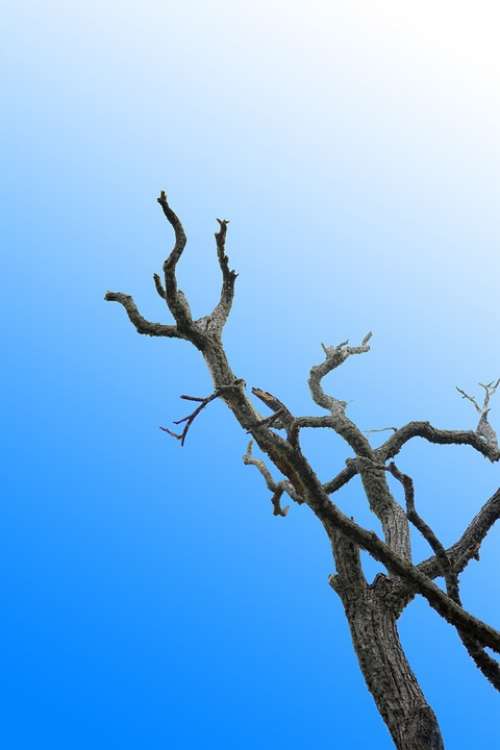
{"points": [[484, 430], [203, 401], [277, 488], [188, 421], [487, 665]]}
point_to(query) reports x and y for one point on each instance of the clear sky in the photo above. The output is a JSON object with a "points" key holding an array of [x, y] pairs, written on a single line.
{"points": [[149, 597]]}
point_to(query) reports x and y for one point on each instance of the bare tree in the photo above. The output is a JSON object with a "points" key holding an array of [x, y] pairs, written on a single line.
{"points": [[372, 609]]}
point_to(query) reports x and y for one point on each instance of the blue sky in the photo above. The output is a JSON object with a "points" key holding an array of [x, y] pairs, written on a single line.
{"points": [[150, 598]]}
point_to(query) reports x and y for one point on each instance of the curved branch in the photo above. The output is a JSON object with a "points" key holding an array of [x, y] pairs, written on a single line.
{"points": [[277, 488], [175, 299], [341, 479], [334, 357], [425, 430], [221, 312], [142, 325]]}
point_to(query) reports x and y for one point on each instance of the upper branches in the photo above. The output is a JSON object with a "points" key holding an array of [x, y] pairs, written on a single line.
{"points": [[195, 331], [300, 479]]}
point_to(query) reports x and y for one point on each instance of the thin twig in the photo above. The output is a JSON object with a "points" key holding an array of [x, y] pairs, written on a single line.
{"points": [[190, 417]]}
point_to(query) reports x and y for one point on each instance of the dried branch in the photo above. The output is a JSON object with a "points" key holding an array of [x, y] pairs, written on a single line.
{"points": [[334, 356], [301, 478], [159, 286], [276, 488], [190, 417], [413, 576], [221, 312], [281, 419], [176, 301], [393, 445], [486, 664], [342, 478], [469, 544], [426, 531], [203, 402], [489, 391], [484, 430], [391, 516], [142, 325], [469, 398]]}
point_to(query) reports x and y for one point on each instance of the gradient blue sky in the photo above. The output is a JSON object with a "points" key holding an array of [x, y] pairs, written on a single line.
{"points": [[150, 599]]}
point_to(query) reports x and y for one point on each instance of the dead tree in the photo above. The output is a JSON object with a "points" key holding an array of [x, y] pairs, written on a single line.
{"points": [[372, 609]]}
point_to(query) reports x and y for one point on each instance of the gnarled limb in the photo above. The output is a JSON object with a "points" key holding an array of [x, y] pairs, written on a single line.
{"points": [[301, 476], [334, 356], [277, 488], [220, 313], [142, 325], [390, 514], [488, 666], [175, 299], [425, 430]]}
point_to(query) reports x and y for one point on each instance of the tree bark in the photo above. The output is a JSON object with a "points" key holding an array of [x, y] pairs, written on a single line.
{"points": [[388, 675]]}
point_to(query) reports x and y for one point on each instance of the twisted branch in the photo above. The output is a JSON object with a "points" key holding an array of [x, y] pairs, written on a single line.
{"points": [[141, 324], [393, 445], [175, 299], [334, 356], [277, 488]]}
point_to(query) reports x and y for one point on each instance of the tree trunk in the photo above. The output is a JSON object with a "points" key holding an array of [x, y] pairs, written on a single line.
{"points": [[400, 701]]}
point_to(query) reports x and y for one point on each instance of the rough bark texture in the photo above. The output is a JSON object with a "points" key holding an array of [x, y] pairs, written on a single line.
{"points": [[397, 694], [371, 610]]}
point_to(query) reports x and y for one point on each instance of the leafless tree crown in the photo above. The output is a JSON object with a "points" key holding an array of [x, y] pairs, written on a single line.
{"points": [[372, 609]]}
